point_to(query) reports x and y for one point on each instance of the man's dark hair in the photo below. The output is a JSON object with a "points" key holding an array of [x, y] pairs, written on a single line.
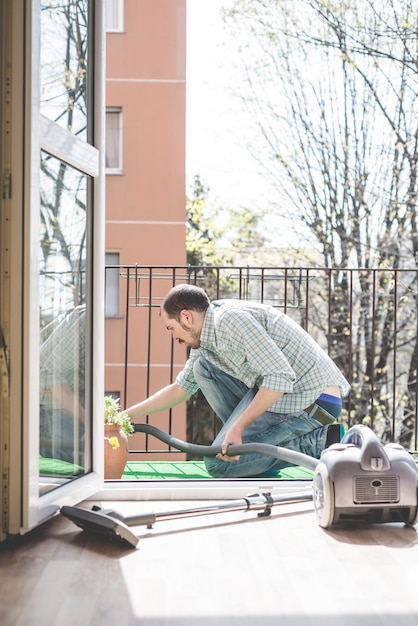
{"points": [[183, 297]]}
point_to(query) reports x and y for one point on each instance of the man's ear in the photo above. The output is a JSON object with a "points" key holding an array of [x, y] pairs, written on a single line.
{"points": [[186, 316]]}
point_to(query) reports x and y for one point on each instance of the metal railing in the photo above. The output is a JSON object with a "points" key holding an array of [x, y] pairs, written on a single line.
{"points": [[366, 319]]}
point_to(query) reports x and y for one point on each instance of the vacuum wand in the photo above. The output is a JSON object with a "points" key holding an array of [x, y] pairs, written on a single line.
{"points": [[255, 501], [114, 525]]}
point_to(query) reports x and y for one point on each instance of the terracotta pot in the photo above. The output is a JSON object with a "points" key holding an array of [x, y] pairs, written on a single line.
{"points": [[114, 458]]}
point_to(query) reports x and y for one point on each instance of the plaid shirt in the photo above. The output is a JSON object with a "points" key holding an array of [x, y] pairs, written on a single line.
{"points": [[264, 347]]}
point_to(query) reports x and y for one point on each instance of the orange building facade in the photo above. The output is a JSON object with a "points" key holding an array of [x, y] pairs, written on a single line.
{"points": [[145, 177]]}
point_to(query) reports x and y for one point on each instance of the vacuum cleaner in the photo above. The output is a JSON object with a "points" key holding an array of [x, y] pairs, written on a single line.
{"points": [[361, 481], [356, 481]]}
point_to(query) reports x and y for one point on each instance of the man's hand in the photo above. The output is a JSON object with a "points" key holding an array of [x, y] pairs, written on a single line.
{"points": [[233, 437], [262, 401]]}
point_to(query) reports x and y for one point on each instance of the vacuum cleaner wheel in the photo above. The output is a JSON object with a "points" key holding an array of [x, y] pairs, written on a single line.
{"points": [[323, 496]]}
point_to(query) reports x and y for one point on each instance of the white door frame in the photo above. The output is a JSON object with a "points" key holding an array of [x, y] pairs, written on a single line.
{"points": [[22, 507]]}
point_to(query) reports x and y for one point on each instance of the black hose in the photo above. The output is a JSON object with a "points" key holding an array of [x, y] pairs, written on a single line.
{"points": [[296, 458]]}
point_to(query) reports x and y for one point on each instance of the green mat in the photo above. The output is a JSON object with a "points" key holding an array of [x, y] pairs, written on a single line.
{"points": [[169, 470], [156, 470], [56, 467]]}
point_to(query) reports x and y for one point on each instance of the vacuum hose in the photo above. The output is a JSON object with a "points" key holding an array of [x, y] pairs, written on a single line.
{"points": [[290, 456], [114, 525]]}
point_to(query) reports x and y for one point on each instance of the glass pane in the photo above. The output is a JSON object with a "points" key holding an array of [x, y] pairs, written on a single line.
{"points": [[64, 63], [63, 322], [112, 285], [113, 139]]}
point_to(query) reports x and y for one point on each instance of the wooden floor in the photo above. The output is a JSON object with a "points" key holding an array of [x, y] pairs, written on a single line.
{"points": [[230, 568]]}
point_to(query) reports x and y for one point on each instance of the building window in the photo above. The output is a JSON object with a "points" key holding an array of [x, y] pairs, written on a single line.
{"points": [[113, 141], [114, 16], [114, 394], [112, 284]]}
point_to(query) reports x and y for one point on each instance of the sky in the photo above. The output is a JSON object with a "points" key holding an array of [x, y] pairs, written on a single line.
{"points": [[216, 129], [214, 125]]}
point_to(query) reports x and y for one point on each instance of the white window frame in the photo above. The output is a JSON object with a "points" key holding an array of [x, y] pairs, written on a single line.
{"points": [[114, 20]]}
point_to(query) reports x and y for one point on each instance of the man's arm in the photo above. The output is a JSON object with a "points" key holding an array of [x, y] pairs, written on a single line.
{"points": [[164, 399], [262, 401]]}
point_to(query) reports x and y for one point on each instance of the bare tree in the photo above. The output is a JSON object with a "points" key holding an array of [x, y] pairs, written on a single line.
{"points": [[64, 52], [332, 91]]}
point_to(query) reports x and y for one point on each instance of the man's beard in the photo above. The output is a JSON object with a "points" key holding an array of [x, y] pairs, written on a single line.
{"points": [[193, 341]]}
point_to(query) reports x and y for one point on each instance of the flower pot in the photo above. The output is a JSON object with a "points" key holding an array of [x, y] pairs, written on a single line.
{"points": [[115, 456]]}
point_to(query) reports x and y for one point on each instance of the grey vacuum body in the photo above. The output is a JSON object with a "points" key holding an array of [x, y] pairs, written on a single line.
{"points": [[361, 481]]}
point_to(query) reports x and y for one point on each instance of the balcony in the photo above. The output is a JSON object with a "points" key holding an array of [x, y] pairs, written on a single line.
{"points": [[365, 319]]}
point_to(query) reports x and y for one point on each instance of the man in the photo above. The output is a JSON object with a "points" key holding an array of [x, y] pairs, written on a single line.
{"points": [[262, 374]]}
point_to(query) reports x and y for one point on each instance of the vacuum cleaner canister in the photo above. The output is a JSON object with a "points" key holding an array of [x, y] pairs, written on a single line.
{"points": [[361, 481]]}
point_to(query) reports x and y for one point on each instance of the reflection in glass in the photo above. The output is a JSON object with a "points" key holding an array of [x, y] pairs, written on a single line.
{"points": [[63, 321], [64, 63]]}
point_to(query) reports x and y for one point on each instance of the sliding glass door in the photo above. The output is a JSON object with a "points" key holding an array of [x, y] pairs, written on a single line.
{"points": [[53, 324]]}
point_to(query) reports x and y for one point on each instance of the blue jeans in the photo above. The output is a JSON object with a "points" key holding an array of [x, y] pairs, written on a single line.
{"points": [[228, 397]]}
